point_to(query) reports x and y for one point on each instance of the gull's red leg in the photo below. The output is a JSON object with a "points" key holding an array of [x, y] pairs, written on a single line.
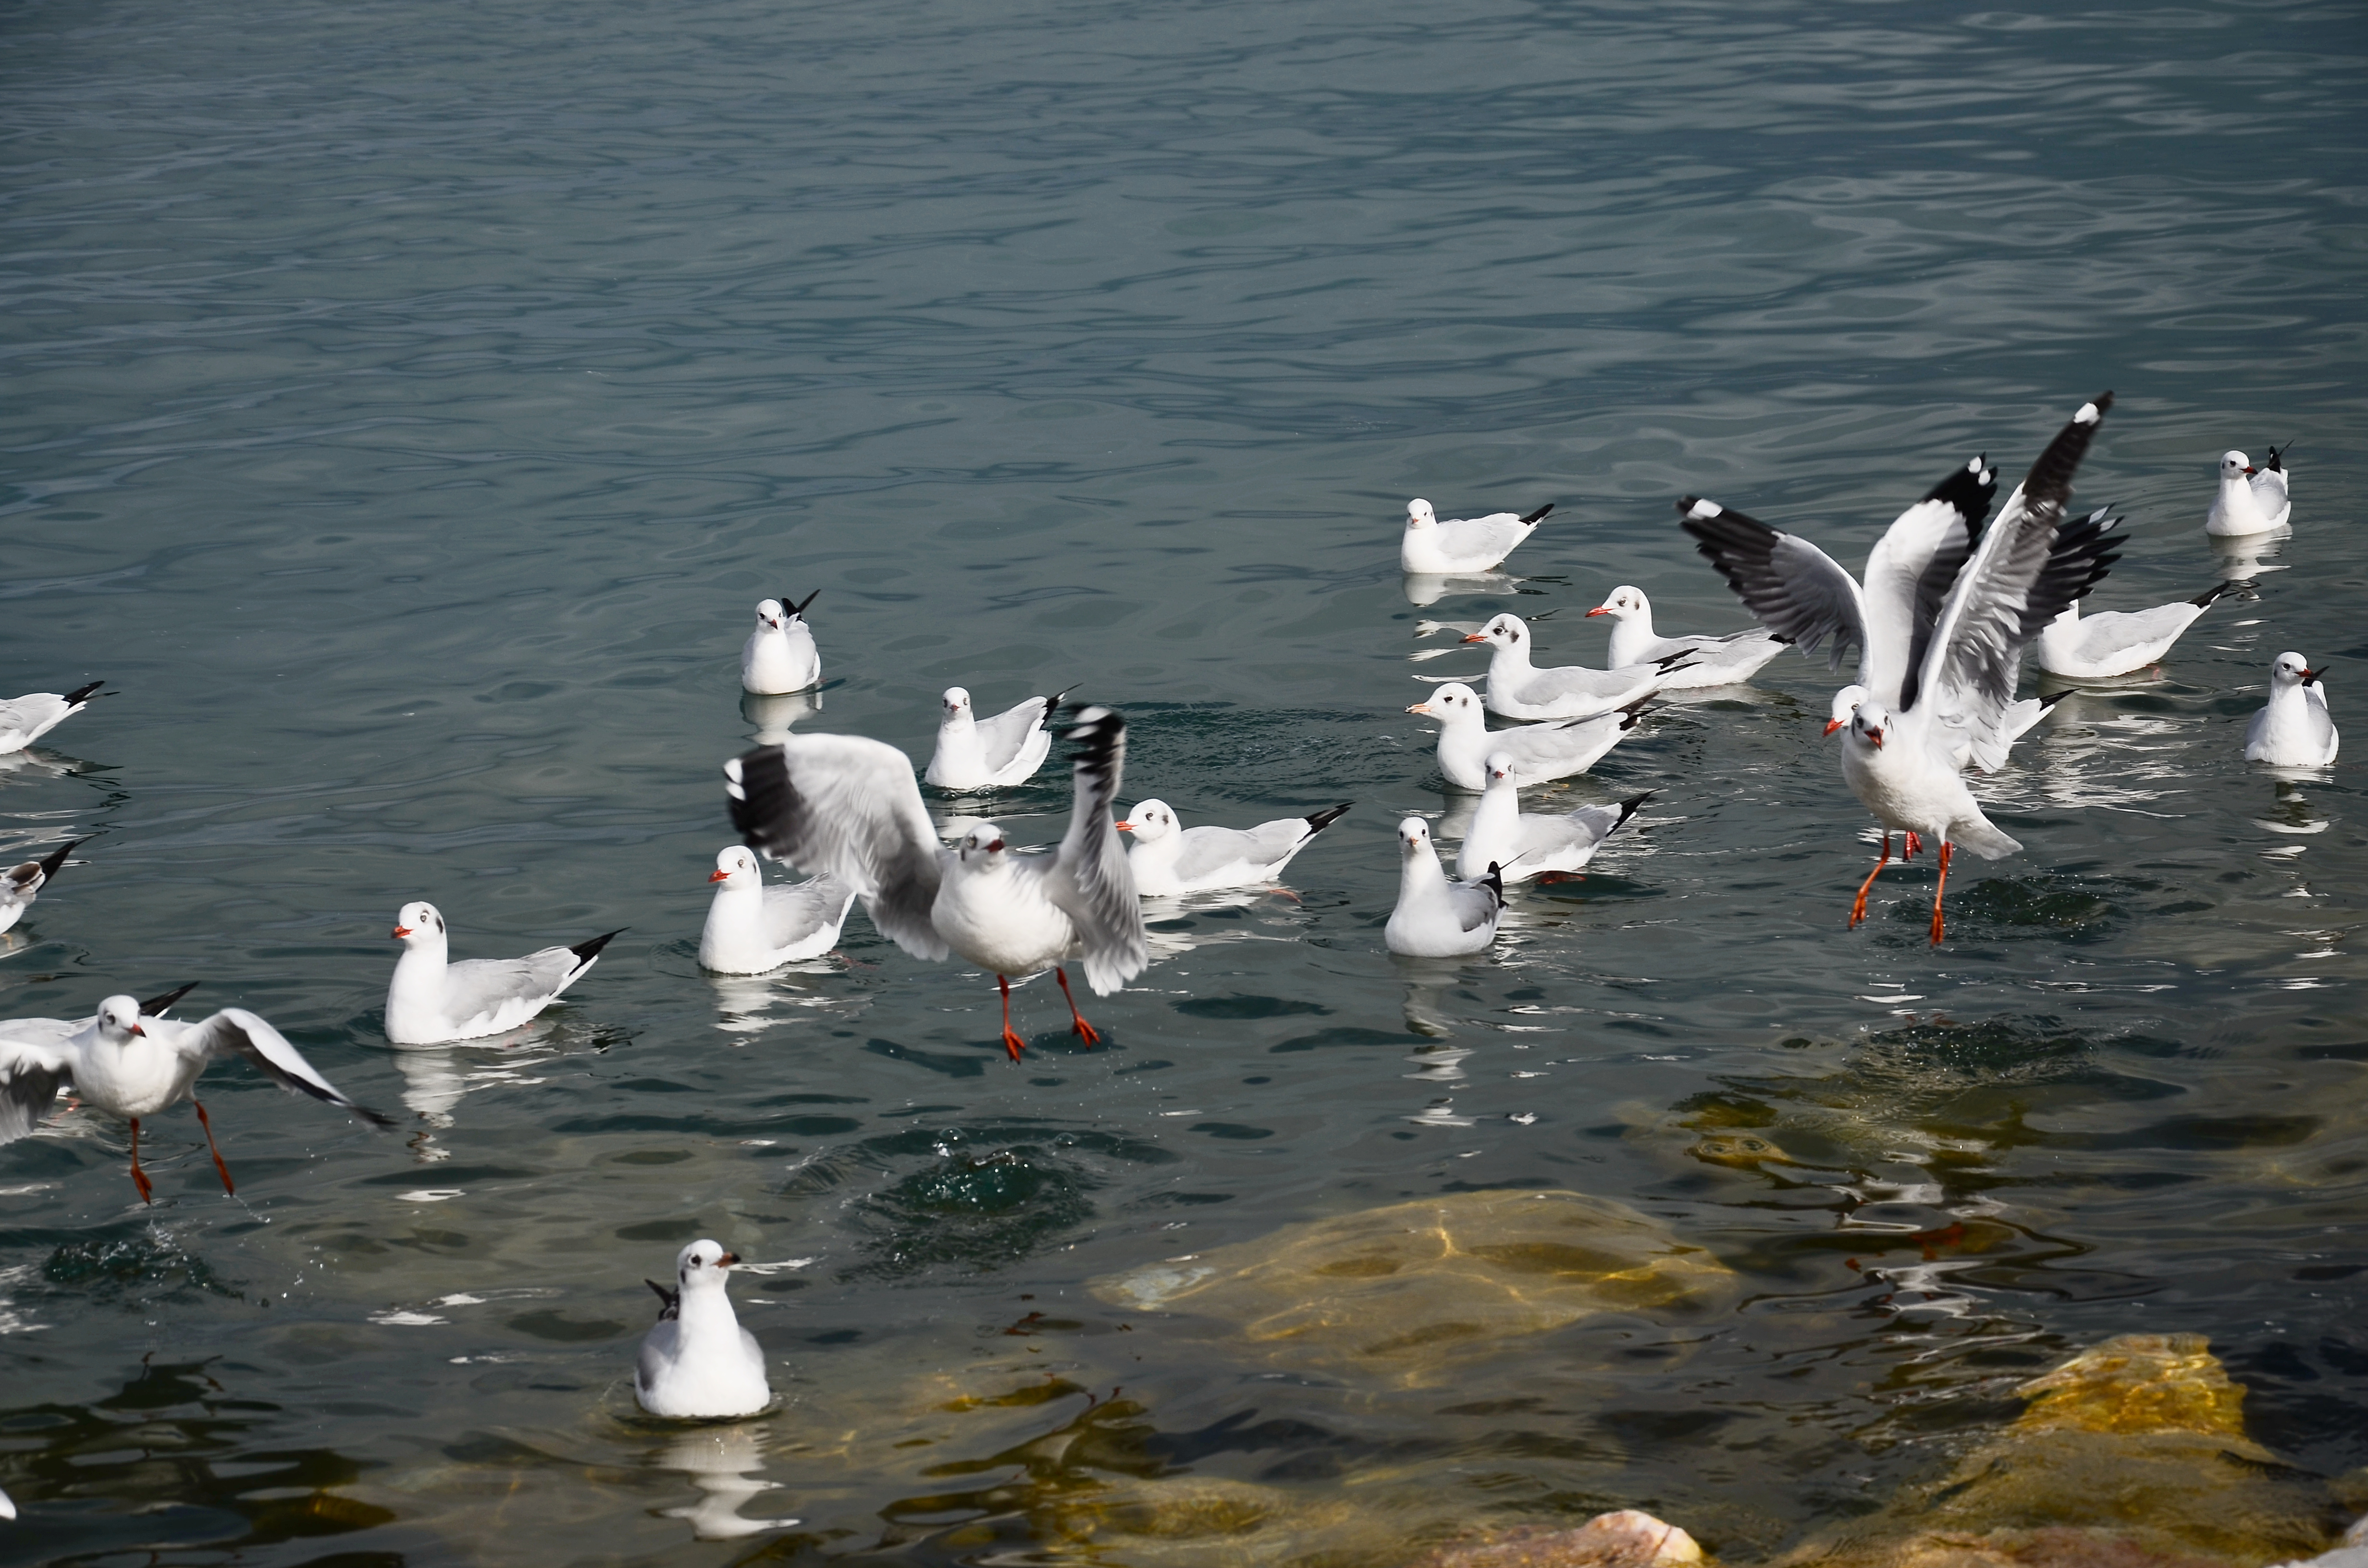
{"points": [[139, 1177], [1011, 1042], [207, 1122], [1945, 847], [1858, 910], [1076, 1019], [1915, 847]]}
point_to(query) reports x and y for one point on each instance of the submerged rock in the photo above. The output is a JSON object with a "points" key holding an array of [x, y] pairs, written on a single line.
{"points": [[1397, 1288], [1628, 1539], [2131, 1455]]}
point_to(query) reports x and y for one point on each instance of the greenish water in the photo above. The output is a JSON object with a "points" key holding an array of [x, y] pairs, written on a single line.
{"points": [[406, 405]]}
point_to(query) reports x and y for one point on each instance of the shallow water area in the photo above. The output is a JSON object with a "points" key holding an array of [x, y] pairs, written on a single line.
{"points": [[409, 406]]}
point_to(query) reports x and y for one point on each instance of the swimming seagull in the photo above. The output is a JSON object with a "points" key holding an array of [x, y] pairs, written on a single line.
{"points": [[980, 754], [1714, 661], [1522, 844], [1518, 690], [36, 713], [848, 807], [1538, 752], [2251, 500], [752, 929], [2115, 642], [1167, 860], [2296, 730], [697, 1362], [1901, 761], [1436, 918], [1461, 545], [780, 657], [20, 885], [430, 1001], [131, 1064]]}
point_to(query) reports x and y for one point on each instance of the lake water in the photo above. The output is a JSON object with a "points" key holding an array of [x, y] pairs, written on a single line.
{"points": [[407, 404]]}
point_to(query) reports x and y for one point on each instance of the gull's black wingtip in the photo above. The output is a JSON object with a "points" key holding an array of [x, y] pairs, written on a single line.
{"points": [[1631, 806], [376, 1118], [56, 859], [1318, 820], [669, 1302], [586, 951], [82, 694], [757, 787], [154, 1007], [1535, 518], [2211, 595]]}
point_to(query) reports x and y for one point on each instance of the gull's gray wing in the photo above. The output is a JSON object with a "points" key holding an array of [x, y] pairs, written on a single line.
{"points": [[1476, 902], [1004, 734], [794, 911], [1793, 587], [31, 1068], [848, 807], [1090, 878], [1210, 849], [235, 1031], [2030, 566]]}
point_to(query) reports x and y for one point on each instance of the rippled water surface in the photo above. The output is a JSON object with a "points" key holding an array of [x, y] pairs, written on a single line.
{"points": [[407, 404]]}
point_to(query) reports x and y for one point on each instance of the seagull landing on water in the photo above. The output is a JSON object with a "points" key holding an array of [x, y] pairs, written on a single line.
{"points": [[1521, 845], [2251, 500], [129, 1063], [846, 806], [697, 1362], [780, 657], [1963, 660], [984, 754], [1538, 752], [2116, 643], [35, 714], [1518, 690], [752, 929], [2296, 730], [1462, 546], [430, 1001], [1168, 859], [1711, 661], [1436, 918], [19, 885]]}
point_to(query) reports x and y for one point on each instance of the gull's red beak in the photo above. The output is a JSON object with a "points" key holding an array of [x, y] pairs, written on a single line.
{"points": [[1877, 737], [2310, 675], [1475, 637], [1419, 708], [400, 931], [727, 1260], [1600, 609], [996, 847], [1833, 724], [1123, 826], [718, 876], [141, 1032], [2249, 469]]}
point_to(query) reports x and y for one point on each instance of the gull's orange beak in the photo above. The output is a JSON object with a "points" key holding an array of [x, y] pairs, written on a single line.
{"points": [[141, 1032], [1419, 708], [1833, 724], [400, 931], [2250, 469], [1600, 609], [727, 1260], [1475, 637], [718, 876], [1875, 736], [1123, 826]]}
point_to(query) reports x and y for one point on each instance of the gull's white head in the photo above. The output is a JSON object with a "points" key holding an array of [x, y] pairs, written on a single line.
{"points": [[1504, 631], [702, 1264], [1846, 701], [1454, 703], [119, 1020], [957, 705], [736, 864], [1419, 515], [1150, 821], [770, 611], [416, 923], [1869, 724], [1499, 768], [1414, 837], [2291, 669], [1625, 602], [2233, 465], [980, 844]]}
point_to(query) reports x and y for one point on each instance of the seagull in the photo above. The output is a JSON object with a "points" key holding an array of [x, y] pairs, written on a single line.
{"points": [[1799, 592], [1517, 689], [2251, 500], [430, 1001], [1522, 844], [131, 1064], [1168, 859], [2116, 643], [752, 929], [1901, 761], [20, 885], [1539, 752], [1436, 918], [848, 807], [36, 713], [1716, 661], [697, 1362], [979, 755], [1464, 545], [780, 657], [2296, 730]]}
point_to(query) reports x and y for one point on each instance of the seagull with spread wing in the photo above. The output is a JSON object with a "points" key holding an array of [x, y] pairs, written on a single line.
{"points": [[848, 807]]}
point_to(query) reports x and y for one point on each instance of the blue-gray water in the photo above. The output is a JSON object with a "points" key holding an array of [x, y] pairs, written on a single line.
{"points": [[405, 406]]}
